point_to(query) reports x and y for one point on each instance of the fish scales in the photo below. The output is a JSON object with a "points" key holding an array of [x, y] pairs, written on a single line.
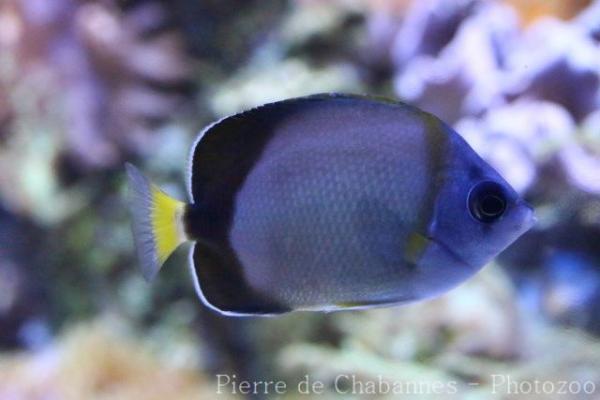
{"points": [[328, 202], [302, 215]]}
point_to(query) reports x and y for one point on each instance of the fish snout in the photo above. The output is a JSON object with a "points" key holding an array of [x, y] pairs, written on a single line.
{"points": [[525, 214]]}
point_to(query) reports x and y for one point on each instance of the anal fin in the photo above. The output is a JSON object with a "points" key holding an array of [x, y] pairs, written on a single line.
{"points": [[220, 283]]}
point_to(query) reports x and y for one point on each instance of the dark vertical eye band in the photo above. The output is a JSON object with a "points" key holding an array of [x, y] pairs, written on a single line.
{"points": [[487, 201]]}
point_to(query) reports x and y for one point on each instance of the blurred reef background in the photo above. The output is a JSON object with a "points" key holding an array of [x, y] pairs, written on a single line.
{"points": [[88, 84]]}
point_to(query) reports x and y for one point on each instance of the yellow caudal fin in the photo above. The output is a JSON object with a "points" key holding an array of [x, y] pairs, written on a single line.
{"points": [[157, 222]]}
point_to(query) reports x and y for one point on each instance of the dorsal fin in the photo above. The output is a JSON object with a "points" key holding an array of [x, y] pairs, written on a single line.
{"points": [[241, 137], [226, 150]]}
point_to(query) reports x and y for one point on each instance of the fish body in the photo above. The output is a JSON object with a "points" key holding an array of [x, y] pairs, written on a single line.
{"points": [[330, 202]]}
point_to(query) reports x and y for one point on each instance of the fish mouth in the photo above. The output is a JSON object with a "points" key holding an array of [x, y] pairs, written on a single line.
{"points": [[528, 217], [533, 219]]}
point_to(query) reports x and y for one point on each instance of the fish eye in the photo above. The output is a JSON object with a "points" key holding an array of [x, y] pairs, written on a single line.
{"points": [[487, 201]]}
